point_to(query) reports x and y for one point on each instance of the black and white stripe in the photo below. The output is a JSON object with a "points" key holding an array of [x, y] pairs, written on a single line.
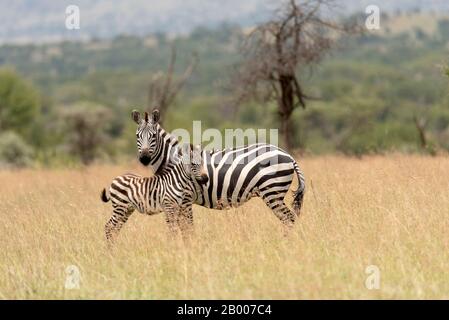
{"points": [[235, 175], [172, 192]]}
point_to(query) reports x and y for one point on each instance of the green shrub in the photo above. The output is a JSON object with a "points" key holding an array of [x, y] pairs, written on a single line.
{"points": [[14, 151]]}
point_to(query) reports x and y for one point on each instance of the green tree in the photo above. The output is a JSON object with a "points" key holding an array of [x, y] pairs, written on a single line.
{"points": [[19, 104]]}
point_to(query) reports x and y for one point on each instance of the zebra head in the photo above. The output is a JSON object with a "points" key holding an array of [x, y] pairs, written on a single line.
{"points": [[147, 134], [193, 164]]}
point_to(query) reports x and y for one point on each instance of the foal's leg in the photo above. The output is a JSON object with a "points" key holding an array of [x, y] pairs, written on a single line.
{"points": [[119, 217], [171, 217], [185, 221]]}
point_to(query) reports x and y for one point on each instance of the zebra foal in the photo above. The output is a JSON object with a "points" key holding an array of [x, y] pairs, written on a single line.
{"points": [[173, 193]]}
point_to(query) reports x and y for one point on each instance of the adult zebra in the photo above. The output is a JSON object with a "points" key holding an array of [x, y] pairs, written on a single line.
{"points": [[235, 175]]}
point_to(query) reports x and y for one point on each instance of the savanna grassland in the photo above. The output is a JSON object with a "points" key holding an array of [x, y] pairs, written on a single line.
{"points": [[387, 211]]}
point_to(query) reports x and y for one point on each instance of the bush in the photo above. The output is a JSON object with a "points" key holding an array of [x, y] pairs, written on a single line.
{"points": [[14, 152], [19, 104], [84, 125]]}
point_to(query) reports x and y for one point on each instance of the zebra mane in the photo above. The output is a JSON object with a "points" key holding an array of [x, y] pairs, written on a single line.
{"points": [[168, 150]]}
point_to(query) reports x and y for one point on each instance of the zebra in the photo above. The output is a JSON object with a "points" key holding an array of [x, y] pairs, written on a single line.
{"points": [[172, 192], [235, 175]]}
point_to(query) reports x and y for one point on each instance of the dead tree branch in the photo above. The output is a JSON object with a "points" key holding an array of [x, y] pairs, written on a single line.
{"points": [[164, 87]]}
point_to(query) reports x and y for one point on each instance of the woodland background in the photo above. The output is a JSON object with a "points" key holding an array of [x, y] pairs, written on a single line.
{"points": [[376, 92]]}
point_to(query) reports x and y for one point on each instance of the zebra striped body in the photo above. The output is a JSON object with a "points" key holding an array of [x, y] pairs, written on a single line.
{"points": [[235, 175], [172, 192]]}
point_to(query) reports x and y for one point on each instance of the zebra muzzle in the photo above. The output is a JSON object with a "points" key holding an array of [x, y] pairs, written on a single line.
{"points": [[203, 179], [144, 157]]}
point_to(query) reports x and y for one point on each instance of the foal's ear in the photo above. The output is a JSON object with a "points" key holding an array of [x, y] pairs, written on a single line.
{"points": [[196, 154], [136, 116], [155, 116]]}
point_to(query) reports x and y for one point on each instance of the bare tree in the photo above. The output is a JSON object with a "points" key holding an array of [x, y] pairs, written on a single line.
{"points": [[275, 52], [420, 125], [164, 87]]}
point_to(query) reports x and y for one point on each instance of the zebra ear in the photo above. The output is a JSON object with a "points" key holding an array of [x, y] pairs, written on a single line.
{"points": [[136, 116], [155, 116], [184, 155], [196, 154]]}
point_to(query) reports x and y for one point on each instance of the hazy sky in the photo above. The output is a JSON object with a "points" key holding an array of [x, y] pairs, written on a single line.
{"points": [[37, 20]]}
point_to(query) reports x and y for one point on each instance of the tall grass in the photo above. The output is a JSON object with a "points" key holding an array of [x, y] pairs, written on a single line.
{"points": [[391, 212]]}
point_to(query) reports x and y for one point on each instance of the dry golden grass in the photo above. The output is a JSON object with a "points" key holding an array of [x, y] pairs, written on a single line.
{"points": [[391, 212]]}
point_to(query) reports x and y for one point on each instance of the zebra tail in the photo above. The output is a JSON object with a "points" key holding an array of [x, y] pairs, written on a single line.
{"points": [[299, 193], [104, 197]]}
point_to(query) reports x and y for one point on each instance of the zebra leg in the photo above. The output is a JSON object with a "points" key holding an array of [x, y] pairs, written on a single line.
{"points": [[171, 217], [275, 201], [119, 217], [185, 221]]}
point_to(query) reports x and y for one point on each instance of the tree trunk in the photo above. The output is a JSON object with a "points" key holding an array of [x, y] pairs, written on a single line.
{"points": [[286, 130], [422, 136], [286, 105]]}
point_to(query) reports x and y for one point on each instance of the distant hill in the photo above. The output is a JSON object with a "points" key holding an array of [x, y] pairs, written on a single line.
{"points": [[25, 21], [427, 22]]}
